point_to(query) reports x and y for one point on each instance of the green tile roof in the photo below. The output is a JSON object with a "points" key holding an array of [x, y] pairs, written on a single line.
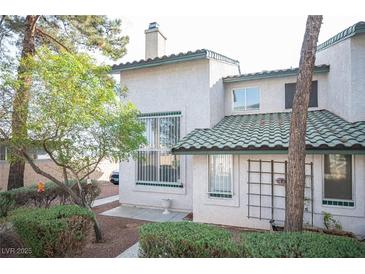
{"points": [[270, 131], [174, 58], [355, 29], [272, 74]]}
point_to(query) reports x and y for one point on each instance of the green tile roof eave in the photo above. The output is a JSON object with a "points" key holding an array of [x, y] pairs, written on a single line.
{"points": [[270, 132], [267, 151], [272, 74], [172, 59], [159, 62], [354, 30]]}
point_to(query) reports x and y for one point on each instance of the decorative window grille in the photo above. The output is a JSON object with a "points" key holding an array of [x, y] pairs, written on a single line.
{"points": [[220, 176], [3, 153], [156, 166]]}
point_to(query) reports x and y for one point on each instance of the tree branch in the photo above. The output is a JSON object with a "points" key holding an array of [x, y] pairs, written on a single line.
{"points": [[29, 159], [44, 34]]}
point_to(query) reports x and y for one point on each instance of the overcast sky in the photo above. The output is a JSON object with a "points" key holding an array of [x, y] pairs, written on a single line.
{"points": [[259, 43]]}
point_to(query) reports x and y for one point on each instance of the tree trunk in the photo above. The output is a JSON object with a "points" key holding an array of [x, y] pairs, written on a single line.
{"points": [[298, 127], [80, 201], [21, 101]]}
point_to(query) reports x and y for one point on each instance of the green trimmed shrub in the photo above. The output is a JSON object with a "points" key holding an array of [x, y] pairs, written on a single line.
{"points": [[186, 240], [300, 245], [30, 197], [192, 240], [7, 203], [59, 231]]}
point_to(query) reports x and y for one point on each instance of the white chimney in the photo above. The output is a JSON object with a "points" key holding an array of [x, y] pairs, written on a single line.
{"points": [[155, 41]]}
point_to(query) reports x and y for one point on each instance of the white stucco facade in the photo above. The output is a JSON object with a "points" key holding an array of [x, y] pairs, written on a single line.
{"points": [[272, 93], [196, 88], [234, 211], [346, 80]]}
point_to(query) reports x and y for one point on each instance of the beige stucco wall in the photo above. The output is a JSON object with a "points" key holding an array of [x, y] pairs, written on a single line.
{"points": [[272, 93], [218, 70], [235, 211], [177, 87], [195, 88], [346, 82], [31, 177]]}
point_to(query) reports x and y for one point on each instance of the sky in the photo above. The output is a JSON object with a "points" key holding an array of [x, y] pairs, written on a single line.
{"points": [[259, 43]]}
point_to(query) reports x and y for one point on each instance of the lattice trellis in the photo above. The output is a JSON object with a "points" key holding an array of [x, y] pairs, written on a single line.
{"points": [[266, 191]]}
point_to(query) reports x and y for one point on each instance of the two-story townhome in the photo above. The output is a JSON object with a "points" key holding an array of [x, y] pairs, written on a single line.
{"points": [[218, 139]]}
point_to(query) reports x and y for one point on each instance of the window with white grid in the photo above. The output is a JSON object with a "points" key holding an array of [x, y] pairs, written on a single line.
{"points": [[220, 176], [156, 166]]}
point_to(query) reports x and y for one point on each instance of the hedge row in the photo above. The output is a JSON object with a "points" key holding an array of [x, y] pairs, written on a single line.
{"points": [[59, 231], [186, 240], [192, 240], [29, 196]]}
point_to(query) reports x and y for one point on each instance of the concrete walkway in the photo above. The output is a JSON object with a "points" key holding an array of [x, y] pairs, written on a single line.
{"points": [[131, 252], [106, 200], [146, 214]]}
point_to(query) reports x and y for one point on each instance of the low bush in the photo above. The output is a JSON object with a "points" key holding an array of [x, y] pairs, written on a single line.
{"points": [[59, 231], [29, 196], [186, 240], [7, 203], [300, 245]]}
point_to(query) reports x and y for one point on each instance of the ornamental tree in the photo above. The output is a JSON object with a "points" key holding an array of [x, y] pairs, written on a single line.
{"points": [[75, 116]]}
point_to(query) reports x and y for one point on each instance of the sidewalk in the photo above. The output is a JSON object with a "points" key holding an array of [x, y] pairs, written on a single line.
{"points": [[102, 201]]}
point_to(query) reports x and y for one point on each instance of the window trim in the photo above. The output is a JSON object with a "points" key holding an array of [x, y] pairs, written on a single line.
{"points": [[326, 200], [246, 110], [229, 196], [158, 116]]}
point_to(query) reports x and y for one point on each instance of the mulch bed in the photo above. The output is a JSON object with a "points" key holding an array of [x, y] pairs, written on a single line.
{"points": [[118, 234]]}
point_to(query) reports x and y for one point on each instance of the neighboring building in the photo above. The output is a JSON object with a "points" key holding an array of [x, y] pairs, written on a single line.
{"points": [[102, 173], [218, 139]]}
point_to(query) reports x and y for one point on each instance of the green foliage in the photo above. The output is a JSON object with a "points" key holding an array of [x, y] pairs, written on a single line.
{"points": [[58, 231], [186, 240], [199, 240], [75, 115], [300, 245], [330, 223], [74, 32], [30, 197], [7, 203]]}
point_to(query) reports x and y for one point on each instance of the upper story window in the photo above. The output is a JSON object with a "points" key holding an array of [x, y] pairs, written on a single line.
{"points": [[338, 180], [156, 166], [246, 99], [290, 91]]}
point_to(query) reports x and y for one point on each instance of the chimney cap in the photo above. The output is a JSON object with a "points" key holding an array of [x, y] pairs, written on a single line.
{"points": [[153, 25]]}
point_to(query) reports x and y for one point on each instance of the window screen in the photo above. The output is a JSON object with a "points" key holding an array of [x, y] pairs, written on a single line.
{"points": [[290, 91], [338, 177]]}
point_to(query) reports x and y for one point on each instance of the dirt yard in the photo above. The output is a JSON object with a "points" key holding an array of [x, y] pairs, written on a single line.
{"points": [[118, 233]]}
